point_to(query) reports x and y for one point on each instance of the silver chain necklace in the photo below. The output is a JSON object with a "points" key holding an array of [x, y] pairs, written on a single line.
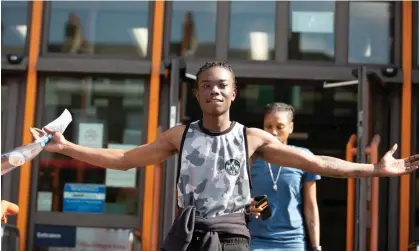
{"points": [[275, 186]]}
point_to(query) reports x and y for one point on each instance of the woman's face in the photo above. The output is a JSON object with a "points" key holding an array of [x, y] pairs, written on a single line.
{"points": [[279, 124]]}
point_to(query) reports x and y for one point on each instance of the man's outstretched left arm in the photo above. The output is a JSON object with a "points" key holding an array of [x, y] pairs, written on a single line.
{"points": [[271, 150]]}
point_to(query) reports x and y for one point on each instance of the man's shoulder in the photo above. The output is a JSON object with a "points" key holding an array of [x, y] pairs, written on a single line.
{"points": [[174, 135], [256, 139], [253, 131], [256, 136], [178, 129], [259, 135]]}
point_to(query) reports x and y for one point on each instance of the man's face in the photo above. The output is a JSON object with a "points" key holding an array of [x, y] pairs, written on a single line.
{"points": [[215, 91], [279, 124]]}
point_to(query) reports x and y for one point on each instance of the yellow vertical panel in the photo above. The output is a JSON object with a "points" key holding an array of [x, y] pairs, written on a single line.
{"points": [[29, 118], [153, 117], [406, 122]]}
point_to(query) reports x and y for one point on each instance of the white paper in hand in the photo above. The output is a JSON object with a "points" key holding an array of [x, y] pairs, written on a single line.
{"points": [[25, 153], [61, 123]]}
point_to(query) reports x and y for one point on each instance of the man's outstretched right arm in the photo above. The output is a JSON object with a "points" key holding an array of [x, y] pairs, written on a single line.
{"points": [[158, 151]]}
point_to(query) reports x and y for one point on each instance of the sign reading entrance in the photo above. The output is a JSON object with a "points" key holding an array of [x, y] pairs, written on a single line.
{"points": [[55, 236]]}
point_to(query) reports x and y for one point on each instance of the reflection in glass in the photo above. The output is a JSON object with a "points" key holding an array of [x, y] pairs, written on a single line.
{"points": [[14, 17], [312, 31], [252, 30], [99, 27], [255, 97], [107, 113], [371, 32], [193, 28]]}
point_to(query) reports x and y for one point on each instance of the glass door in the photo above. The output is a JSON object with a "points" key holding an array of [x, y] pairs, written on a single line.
{"points": [[88, 206], [12, 106], [378, 128]]}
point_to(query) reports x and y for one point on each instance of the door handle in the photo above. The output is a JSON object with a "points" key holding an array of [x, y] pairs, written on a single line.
{"points": [[372, 152], [350, 213]]}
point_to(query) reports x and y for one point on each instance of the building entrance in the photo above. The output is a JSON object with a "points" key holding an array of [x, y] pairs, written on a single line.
{"points": [[328, 121], [324, 120]]}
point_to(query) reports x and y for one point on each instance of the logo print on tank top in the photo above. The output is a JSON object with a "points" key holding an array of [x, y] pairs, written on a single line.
{"points": [[232, 167]]}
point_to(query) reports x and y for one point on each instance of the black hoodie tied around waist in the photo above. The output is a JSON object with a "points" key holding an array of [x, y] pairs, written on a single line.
{"points": [[188, 223]]}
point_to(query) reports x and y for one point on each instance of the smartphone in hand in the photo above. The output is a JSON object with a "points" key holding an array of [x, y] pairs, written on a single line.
{"points": [[261, 201]]}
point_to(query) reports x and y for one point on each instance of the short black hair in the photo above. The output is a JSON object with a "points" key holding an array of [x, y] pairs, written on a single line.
{"points": [[280, 107], [212, 64]]}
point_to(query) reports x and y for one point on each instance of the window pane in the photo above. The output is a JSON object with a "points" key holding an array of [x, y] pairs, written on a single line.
{"points": [[99, 27], [107, 113], [252, 30], [193, 29], [14, 18], [312, 31], [66, 238], [371, 32]]}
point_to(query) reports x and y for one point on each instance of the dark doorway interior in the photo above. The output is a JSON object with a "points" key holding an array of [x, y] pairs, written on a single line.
{"points": [[324, 121]]}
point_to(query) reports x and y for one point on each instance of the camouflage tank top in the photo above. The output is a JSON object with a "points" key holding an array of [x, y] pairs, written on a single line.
{"points": [[213, 170]]}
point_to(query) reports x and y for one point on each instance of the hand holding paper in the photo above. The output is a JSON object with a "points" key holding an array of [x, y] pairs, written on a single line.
{"points": [[60, 123], [26, 153], [55, 129], [57, 140]]}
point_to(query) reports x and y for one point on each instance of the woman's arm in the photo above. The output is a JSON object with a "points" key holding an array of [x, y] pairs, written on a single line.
{"points": [[311, 212]]}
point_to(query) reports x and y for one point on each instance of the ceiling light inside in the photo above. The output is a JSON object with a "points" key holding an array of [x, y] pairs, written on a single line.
{"points": [[259, 45]]}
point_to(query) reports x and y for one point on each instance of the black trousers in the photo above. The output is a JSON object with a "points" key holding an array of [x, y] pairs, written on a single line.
{"points": [[228, 242]]}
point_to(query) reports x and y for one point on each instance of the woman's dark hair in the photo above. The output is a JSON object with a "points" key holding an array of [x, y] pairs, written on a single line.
{"points": [[279, 107]]}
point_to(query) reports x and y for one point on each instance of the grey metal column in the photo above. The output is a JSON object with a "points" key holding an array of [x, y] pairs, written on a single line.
{"points": [[394, 182], [170, 166], [363, 137]]}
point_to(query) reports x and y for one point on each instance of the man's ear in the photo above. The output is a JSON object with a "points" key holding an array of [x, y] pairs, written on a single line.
{"points": [[234, 93]]}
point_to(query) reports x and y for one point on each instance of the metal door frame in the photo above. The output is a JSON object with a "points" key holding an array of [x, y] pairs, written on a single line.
{"points": [[391, 236], [373, 91], [171, 110], [362, 142], [368, 98], [175, 79]]}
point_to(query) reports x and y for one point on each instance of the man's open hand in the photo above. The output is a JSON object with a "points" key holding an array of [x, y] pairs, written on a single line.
{"points": [[389, 166]]}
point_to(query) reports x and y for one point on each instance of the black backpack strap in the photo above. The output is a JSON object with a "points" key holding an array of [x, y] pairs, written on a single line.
{"points": [[249, 174], [179, 161]]}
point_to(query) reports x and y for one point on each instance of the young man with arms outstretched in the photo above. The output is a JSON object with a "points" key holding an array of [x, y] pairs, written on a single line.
{"points": [[215, 157]]}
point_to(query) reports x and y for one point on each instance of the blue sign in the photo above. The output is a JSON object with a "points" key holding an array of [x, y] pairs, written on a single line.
{"points": [[84, 198], [55, 236]]}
